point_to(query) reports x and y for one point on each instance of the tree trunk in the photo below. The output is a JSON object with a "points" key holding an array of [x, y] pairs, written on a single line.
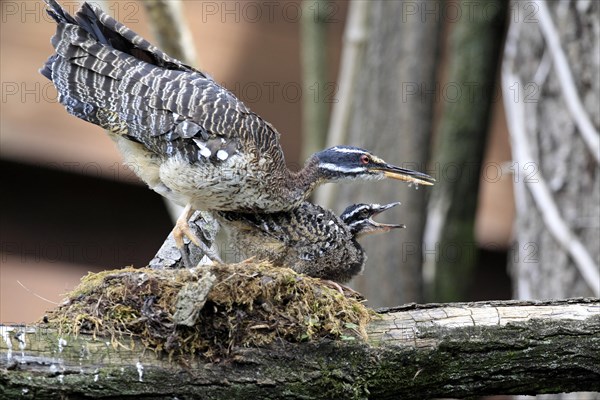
{"points": [[466, 95], [413, 352], [552, 97], [170, 29], [392, 116], [315, 113]]}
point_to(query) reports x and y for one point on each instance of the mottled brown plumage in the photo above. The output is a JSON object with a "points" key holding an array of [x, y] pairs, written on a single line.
{"points": [[309, 239]]}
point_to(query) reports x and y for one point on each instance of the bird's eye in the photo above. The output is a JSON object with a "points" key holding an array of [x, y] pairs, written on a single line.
{"points": [[364, 159]]}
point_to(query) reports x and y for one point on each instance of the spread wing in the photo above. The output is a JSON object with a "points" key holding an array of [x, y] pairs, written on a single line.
{"points": [[108, 75]]}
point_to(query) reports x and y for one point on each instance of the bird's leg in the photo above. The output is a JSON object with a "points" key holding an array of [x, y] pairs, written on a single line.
{"points": [[182, 227]]}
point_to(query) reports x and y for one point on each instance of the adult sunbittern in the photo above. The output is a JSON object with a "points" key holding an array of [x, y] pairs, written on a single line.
{"points": [[187, 137]]}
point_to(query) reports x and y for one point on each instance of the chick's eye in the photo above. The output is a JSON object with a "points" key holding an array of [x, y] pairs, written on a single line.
{"points": [[364, 159]]}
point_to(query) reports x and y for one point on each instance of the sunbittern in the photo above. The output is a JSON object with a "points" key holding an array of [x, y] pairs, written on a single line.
{"points": [[309, 239]]}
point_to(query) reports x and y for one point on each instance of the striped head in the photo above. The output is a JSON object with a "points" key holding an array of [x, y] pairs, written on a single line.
{"points": [[347, 162], [358, 218]]}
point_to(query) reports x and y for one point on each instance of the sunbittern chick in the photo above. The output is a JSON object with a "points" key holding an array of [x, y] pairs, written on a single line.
{"points": [[187, 137], [310, 239]]}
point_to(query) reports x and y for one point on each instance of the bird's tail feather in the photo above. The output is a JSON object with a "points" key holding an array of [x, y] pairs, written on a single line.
{"points": [[104, 29], [101, 67]]}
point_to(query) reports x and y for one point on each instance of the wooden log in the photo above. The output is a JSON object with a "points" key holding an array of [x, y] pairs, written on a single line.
{"points": [[413, 352]]}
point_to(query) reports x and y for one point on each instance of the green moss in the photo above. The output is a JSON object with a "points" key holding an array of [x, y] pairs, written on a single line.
{"points": [[250, 304]]}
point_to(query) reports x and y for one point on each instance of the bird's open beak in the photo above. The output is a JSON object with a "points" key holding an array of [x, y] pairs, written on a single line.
{"points": [[376, 227], [406, 175]]}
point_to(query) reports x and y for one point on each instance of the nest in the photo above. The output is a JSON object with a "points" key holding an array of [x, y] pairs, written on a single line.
{"points": [[249, 304]]}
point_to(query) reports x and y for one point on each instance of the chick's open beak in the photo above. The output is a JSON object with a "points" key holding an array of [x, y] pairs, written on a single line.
{"points": [[376, 227], [403, 174]]}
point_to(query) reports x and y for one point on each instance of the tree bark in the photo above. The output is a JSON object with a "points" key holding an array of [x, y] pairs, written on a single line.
{"points": [[466, 96], [391, 116], [170, 29], [550, 77], [413, 352], [315, 113]]}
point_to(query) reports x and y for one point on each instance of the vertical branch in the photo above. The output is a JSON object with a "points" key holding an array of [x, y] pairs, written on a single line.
{"points": [[541, 193], [539, 189], [314, 65], [475, 52], [556, 230], [355, 38], [169, 28], [391, 114], [588, 132]]}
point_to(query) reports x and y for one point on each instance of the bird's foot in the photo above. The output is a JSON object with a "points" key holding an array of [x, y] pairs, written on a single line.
{"points": [[185, 255], [182, 228]]}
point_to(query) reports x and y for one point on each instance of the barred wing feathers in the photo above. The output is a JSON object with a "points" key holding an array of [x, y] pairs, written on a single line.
{"points": [[108, 75]]}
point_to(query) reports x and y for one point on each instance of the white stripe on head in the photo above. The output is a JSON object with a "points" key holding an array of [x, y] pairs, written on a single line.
{"points": [[355, 211], [336, 168], [348, 150]]}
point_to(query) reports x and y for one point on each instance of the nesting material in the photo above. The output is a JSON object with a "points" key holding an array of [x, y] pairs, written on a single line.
{"points": [[248, 304]]}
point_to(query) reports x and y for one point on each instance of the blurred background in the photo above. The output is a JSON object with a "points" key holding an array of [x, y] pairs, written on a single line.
{"points": [[499, 101]]}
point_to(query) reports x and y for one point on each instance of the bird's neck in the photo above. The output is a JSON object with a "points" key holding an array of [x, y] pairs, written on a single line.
{"points": [[301, 183]]}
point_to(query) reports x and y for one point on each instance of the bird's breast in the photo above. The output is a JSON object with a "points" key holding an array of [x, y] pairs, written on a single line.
{"points": [[239, 183]]}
